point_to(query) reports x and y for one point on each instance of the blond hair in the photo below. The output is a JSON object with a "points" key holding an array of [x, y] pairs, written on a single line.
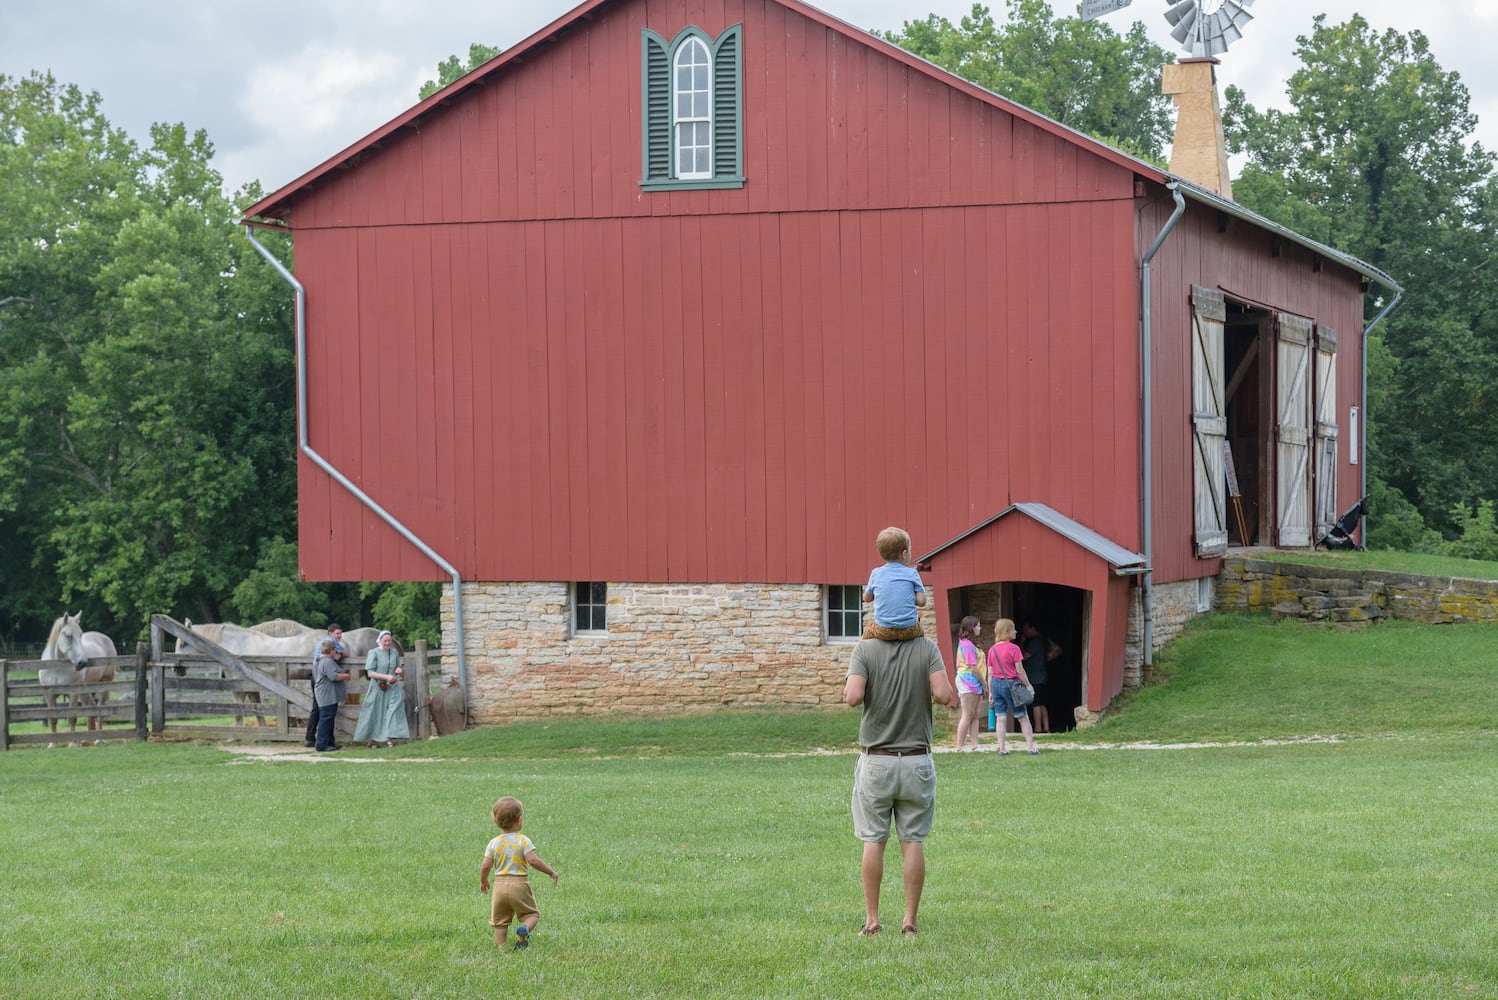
{"points": [[1003, 629], [893, 543]]}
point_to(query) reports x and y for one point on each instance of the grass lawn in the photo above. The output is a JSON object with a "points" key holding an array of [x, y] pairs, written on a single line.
{"points": [[713, 856]]}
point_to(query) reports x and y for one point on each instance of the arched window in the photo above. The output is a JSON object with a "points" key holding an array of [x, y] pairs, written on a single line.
{"points": [[693, 110], [692, 116]]}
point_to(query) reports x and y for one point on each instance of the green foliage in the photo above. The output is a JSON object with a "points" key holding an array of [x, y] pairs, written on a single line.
{"points": [[1479, 538], [272, 589], [1081, 73], [1375, 157], [1394, 523], [146, 417], [451, 68], [409, 610]]}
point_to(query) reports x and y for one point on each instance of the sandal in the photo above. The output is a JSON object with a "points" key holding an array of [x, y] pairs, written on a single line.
{"points": [[908, 929], [869, 930], [390, 743], [370, 744]]}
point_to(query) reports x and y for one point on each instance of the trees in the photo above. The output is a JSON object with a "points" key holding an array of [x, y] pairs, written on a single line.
{"points": [[1081, 73], [147, 436], [451, 69], [1375, 158]]}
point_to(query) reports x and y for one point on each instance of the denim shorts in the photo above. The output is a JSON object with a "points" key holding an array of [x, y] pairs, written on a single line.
{"points": [[1002, 700], [898, 788]]}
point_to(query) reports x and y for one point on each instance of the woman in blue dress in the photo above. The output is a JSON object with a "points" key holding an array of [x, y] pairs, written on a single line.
{"points": [[382, 716]]}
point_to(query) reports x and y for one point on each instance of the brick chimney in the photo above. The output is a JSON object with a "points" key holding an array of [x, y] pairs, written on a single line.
{"points": [[1199, 152]]}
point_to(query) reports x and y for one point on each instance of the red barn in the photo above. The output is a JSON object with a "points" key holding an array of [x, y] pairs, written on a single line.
{"points": [[659, 316]]}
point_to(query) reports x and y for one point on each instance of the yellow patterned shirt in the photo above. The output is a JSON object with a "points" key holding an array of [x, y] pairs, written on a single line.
{"points": [[508, 852]]}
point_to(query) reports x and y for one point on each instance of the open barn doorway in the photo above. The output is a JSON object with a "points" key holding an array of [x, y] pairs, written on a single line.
{"points": [[1061, 614], [1248, 405]]}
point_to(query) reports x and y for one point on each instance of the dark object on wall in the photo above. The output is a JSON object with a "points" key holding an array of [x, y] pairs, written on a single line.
{"points": [[1339, 535], [449, 710]]}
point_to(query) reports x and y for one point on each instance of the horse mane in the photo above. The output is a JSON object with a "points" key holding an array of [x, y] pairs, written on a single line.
{"points": [[49, 652]]}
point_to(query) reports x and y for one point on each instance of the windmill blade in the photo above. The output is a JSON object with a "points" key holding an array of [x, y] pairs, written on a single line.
{"points": [[1185, 29], [1180, 10]]}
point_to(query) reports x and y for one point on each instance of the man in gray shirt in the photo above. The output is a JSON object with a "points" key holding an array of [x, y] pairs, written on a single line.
{"points": [[896, 683]]}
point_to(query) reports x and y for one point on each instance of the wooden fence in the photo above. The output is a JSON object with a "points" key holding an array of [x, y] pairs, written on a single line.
{"points": [[191, 695]]}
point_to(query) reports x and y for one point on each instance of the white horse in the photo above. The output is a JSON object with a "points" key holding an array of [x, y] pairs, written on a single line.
{"points": [[278, 637], [78, 649]]}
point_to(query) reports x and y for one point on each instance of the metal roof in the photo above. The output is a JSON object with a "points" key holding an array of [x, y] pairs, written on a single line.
{"points": [[1109, 551]]}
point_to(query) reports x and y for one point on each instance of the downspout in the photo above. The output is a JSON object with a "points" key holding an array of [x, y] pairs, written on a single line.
{"points": [[1146, 579], [306, 448], [1363, 424]]}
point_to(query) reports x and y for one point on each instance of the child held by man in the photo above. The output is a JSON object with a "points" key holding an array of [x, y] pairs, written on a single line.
{"points": [[509, 858], [895, 589]]}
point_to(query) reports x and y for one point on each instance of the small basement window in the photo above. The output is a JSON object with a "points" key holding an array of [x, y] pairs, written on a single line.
{"points": [[842, 614], [590, 605]]}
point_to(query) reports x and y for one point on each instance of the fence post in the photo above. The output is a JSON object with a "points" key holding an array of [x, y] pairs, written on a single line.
{"points": [[142, 664], [4, 705], [283, 707], [421, 698], [158, 697]]}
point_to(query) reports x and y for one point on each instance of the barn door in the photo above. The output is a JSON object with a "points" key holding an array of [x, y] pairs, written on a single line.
{"points": [[1325, 402], [1209, 425], [1293, 431]]}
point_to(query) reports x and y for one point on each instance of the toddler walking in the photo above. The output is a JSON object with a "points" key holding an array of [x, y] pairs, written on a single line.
{"points": [[895, 589], [509, 857]]}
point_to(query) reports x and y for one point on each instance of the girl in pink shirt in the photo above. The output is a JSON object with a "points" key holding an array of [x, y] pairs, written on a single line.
{"points": [[1006, 671]]}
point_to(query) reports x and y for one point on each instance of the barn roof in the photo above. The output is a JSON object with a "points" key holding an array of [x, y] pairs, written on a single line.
{"points": [[276, 207]]}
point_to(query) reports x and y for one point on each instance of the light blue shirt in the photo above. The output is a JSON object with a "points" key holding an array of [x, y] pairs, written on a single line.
{"points": [[894, 587]]}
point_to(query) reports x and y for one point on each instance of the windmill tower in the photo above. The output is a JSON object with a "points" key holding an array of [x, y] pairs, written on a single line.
{"points": [[1204, 28]]}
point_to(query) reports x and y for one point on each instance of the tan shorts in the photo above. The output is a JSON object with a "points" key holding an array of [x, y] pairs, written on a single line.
{"points": [[873, 630], [511, 898]]}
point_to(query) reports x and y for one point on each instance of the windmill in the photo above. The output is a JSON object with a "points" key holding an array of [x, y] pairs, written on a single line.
{"points": [[1207, 27]]}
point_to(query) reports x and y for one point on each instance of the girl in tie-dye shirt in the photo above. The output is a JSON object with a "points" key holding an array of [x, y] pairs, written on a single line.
{"points": [[970, 688]]}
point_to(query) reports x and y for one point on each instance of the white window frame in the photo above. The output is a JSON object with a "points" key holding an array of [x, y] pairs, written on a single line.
{"points": [[846, 615], [1203, 594], [701, 61], [587, 598]]}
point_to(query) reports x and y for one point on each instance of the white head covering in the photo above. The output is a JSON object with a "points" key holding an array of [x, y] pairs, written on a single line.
{"points": [[383, 634]]}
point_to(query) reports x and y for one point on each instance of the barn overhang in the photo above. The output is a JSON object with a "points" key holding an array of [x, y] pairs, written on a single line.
{"points": [[1032, 542]]}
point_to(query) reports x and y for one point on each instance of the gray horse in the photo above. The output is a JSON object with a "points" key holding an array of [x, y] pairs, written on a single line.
{"points": [[79, 650]]}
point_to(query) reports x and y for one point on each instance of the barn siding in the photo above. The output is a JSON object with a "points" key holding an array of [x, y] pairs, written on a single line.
{"points": [[627, 409], [829, 124], [1241, 264]]}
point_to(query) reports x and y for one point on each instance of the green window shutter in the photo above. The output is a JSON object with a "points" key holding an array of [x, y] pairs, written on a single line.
{"points": [[656, 75], [728, 85]]}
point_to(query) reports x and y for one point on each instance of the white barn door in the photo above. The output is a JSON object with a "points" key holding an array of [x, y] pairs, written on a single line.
{"points": [[1209, 426], [1325, 402], [1293, 373]]}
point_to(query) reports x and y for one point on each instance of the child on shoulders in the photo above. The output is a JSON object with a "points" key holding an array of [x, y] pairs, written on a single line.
{"points": [[895, 590]]}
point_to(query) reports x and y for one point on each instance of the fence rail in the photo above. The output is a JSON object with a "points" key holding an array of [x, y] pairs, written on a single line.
{"points": [[188, 695]]}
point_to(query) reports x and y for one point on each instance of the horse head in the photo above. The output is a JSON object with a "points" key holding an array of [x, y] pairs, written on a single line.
{"points": [[70, 644]]}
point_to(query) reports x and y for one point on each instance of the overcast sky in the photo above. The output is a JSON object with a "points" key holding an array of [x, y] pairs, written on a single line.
{"points": [[281, 85]]}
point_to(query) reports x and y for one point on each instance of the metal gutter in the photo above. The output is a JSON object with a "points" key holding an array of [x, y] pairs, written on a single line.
{"points": [[1146, 579], [305, 445]]}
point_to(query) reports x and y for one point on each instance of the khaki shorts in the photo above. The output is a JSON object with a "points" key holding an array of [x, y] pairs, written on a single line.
{"points": [[511, 898], [898, 788]]}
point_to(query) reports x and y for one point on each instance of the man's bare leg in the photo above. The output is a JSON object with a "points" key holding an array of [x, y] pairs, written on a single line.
{"points": [[913, 861], [873, 874]]}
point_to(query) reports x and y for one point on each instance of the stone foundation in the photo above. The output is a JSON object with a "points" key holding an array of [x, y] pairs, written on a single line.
{"points": [[1352, 598], [669, 648], [1174, 606]]}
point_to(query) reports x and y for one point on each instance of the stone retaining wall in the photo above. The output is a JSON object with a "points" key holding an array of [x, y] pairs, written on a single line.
{"points": [[669, 648], [1352, 598]]}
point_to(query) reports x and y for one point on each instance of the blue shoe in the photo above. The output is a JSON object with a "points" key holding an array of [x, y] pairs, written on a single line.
{"points": [[522, 938]]}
